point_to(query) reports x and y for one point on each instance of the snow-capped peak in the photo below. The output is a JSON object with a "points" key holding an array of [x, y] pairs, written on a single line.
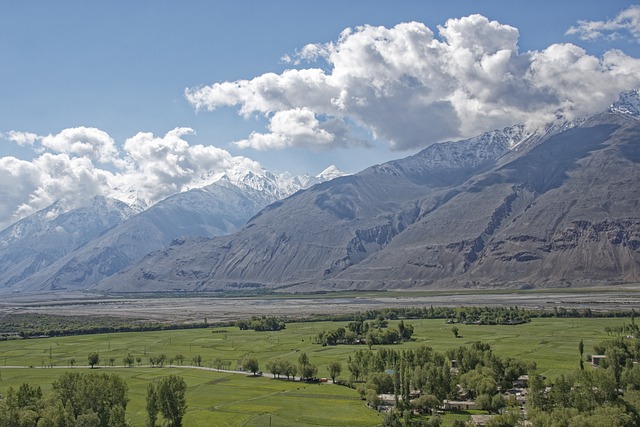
{"points": [[330, 173], [627, 103]]}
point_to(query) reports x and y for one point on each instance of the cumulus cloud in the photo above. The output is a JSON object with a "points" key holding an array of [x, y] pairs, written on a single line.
{"points": [[411, 88], [27, 186], [22, 138], [79, 163], [627, 23], [296, 127], [166, 165], [81, 141]]}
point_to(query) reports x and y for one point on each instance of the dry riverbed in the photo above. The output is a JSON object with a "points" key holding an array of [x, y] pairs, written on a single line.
{"points": [[196, 308]]}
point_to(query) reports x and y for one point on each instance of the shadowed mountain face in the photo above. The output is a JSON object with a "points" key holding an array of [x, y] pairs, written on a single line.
{"points": [[60, 248], [217, 209], [36, 242], [557, 210]]}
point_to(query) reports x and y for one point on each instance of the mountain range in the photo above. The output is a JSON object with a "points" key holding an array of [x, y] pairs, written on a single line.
{"points": [[63, 248], [552, 207], [511, 208]]}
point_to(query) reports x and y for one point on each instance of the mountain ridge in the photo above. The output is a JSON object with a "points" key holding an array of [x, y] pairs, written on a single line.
{"points": [[495, 218], [210, 209]]}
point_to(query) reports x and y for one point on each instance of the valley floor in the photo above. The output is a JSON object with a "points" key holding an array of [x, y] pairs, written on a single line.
{"points": [[189, 308]]}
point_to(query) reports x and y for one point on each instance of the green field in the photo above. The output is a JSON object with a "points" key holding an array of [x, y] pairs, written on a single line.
{"points": [[230, 399]]}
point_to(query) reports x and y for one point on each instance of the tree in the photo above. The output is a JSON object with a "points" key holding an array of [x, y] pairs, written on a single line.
{"points": [[94, 359], [335, 368], [289, 369], [92, 395], [152, 405], [303, 359], [456, 331], [218, 363], [180, 358], [306, 369], [197, 360], [251, 364], [128, 360], [372, 398], [171, 399], [275, 367], [426, 403], [89, 419]]}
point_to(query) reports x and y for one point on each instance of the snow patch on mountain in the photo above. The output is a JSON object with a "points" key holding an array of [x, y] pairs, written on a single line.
{"points": [[628, 103], [254, 177], [78, 217]]}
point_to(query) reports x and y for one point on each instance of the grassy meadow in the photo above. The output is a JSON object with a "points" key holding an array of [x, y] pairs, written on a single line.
{"points": [[216, 398]]}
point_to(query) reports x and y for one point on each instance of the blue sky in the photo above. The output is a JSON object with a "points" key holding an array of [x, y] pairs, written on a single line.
{"points": [[122, 67]]}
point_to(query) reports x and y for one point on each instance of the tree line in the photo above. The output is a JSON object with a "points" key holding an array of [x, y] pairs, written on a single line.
{"points": [[28, 325], [264, 323], [501, 314]]}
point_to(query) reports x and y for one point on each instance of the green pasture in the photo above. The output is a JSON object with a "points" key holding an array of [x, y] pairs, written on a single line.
{"points": [[218, 399], [552, 343], [221, 399]]}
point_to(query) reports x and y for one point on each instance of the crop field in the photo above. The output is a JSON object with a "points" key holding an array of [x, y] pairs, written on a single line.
{"points": [[216, 398]]}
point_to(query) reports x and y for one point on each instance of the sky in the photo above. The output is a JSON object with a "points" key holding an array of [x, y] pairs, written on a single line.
{"points": [[97, 96]]}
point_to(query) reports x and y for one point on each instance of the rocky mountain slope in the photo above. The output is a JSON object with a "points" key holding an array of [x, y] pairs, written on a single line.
{"points": [[44, 237], [558, 207], [75, 250]]}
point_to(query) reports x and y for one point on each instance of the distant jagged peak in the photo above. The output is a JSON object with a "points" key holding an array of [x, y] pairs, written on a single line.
{"points": [[628, 103], [470, 152], [330, 173]]}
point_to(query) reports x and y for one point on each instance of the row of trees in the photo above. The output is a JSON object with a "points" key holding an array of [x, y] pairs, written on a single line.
{"points": [[158, 360], [263, 323], [30, 325], [508, 314], [284, 368], [280, 367]]}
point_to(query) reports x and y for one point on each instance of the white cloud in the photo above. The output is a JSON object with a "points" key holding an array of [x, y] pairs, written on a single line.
{"points": [[297, 127], [410, 89], [162, 166], [27, 186], [65, 168], [22, 138], [82, 141], [627, 21]]}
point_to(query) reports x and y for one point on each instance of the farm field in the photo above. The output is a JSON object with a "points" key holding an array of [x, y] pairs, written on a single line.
{"points": [[216, 398], [219, 399]]}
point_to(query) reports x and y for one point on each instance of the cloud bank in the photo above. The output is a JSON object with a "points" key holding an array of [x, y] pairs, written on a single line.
{"points": [[410, 89], [79, 163]]}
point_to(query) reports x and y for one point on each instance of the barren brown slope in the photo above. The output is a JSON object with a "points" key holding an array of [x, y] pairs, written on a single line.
{"points": [[565, 213]]}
